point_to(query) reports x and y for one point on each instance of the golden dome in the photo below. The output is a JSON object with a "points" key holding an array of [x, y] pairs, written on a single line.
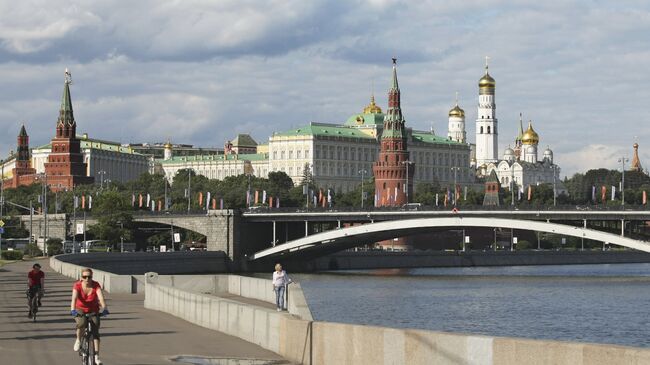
{"points": [[486, 81], [457, 112], [168, 145], [372, 108], [530, 136]]}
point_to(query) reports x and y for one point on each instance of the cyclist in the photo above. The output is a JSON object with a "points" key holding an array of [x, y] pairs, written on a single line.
{"points": [[87, 297], [35, 284]]}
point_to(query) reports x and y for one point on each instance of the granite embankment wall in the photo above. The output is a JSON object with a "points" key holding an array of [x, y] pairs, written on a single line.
{"points": [[298, 338], [305, 341]]}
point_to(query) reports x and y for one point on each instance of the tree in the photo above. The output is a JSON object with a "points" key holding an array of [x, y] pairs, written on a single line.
{"points": [[114, 217]]}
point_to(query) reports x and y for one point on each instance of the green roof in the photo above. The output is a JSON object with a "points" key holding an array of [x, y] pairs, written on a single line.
{"points": [[96, 144], [324, 130], [233, 157], [363, 119], [244, 140], [427, 137]]}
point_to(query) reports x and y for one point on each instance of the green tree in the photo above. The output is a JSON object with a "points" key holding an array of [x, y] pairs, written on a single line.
{"points": [[114, 217]]}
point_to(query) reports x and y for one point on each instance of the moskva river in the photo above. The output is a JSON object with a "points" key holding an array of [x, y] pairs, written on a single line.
{"points": [[587, 303]]}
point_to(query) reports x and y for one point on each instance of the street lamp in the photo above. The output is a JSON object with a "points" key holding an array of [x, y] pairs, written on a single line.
{"points": [[362, 172], [623, 160], [101, 173], [407, 163], [554, 167], [512, 185], [455, 169]]}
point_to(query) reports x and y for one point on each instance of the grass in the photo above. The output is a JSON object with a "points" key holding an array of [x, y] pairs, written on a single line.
{"points": [[4, 262]]}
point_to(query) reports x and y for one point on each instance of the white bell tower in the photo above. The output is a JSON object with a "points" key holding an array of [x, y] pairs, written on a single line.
{"points": [[487, 142]]}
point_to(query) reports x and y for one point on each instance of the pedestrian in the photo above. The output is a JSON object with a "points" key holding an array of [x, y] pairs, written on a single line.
{"points": [[280, 282]]}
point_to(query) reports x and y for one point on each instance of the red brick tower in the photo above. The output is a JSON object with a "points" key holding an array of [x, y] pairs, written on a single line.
{"points": [[23, 166], [393, 171], [65, 167]]}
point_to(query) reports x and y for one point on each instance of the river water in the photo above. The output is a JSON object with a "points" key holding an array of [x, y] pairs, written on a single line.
{"points": [[586, 303]]}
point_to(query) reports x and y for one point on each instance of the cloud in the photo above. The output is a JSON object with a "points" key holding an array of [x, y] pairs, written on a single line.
{"points": [[201, 72]]}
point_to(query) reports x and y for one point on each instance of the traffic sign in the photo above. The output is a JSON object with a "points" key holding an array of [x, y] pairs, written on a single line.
{"points": [[2, 230], [2, 223]]}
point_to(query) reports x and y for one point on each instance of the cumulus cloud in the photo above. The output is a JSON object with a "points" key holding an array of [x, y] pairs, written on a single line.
{"points": [[142, 69]]}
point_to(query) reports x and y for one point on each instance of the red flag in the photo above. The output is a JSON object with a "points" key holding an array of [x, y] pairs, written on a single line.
{"points": [[320, 195], [159, 205], [270, 202], [83, 202], [530, 192], [257, 196], [446, 199], [214, 203], [645, 198], [200, 198], [140, 201], [603, 193]]}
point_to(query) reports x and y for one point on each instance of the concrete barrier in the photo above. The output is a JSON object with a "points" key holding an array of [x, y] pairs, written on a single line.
{"points": [[309, 342], [110, 282]]}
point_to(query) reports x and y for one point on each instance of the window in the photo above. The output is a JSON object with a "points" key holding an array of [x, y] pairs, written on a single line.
{"points": [[298, 154], [488, 129], [306, 153], [481, 130]]}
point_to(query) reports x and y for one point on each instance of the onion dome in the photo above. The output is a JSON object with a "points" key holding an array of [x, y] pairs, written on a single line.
{"points": [[457, 112], [486, 82], [530, 136], [372, 108], [509, 154], [548, 153], [168, 145]]}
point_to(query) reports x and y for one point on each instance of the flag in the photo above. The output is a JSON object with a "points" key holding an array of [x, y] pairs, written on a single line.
{"points": [[148, 200], [593, 193], [603, 192], [465, 193], [159, 205], [83, 202], [436, 199], [329, 197], [140, 201], [271, 202], [257, 196], [76, 202], [519, 194], [314, 199], [457, 194], [90, 202], [395, 195], [248, 198], [133, 200], [323, 202], [221, 203], [645, 198], [200, 198], [214, 203], [376, 199], [530, 192], [263, 196], [207, 201], [446, 197], [153, 206], [613, 191], [277, 202], [320, 195]]}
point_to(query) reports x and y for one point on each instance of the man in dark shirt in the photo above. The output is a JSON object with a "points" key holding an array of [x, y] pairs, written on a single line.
{"points": [[36, 281]]}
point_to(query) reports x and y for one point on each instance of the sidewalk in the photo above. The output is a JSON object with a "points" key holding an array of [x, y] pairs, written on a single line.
{"points": [[130, 334]]}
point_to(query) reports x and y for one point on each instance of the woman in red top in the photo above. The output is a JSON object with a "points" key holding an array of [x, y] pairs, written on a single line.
{"points": [[87, 297]]}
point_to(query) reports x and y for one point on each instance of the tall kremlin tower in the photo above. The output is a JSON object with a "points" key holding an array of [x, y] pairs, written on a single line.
{"points": [[22, 173], [393, 171], [65, 166], [487, 143], [456, 128]]}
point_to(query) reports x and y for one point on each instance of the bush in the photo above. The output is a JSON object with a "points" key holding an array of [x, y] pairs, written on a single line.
{"points": [[54, 246], [33, 250], [12, 255]]}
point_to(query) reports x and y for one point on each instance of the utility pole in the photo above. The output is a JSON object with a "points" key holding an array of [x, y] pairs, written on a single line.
{"points": [[74, 222], [407, 163], [189, 191], [362, 172], [101, 173], [512, 185], [623, 160], [554, 189]]}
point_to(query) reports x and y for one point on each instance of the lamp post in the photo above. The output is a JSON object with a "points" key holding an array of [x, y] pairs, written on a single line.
{"points": [[362, 172], [407, 163], [121, 236], [512, 185], [623, 160], [554, 167], [189, 193], [101, 174], [456, 169]]}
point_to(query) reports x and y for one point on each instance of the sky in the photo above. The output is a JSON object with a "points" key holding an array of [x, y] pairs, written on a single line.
{"points": [[200, 71]]}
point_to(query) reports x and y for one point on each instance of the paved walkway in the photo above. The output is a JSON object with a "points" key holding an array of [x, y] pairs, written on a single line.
{"points": [[130, 335]]}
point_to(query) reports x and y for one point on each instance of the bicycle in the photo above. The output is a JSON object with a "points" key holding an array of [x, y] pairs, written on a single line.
{"points": [[32, 302], [87, 346]]}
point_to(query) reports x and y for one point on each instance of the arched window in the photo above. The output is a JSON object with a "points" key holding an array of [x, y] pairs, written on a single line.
{"points": [[488, 129], [384, 185], [481, 132]]}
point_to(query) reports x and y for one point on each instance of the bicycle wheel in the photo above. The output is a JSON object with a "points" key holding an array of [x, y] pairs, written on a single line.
{"points": [[83, 350], [34, 305], [91, 348]]}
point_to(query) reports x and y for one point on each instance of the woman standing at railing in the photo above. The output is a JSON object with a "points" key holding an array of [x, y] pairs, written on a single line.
{"points": [[280, 282]]}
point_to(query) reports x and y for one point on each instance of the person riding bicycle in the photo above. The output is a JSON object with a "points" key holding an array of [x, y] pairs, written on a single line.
{"points": [[87, 297], [35, 284]]}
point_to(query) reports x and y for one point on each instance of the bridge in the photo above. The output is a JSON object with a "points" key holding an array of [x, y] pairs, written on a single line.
{"points": [[265, 234]]}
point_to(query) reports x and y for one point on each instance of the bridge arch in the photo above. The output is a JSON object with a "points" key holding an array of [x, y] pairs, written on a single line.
{"points": [[339, 239]]}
